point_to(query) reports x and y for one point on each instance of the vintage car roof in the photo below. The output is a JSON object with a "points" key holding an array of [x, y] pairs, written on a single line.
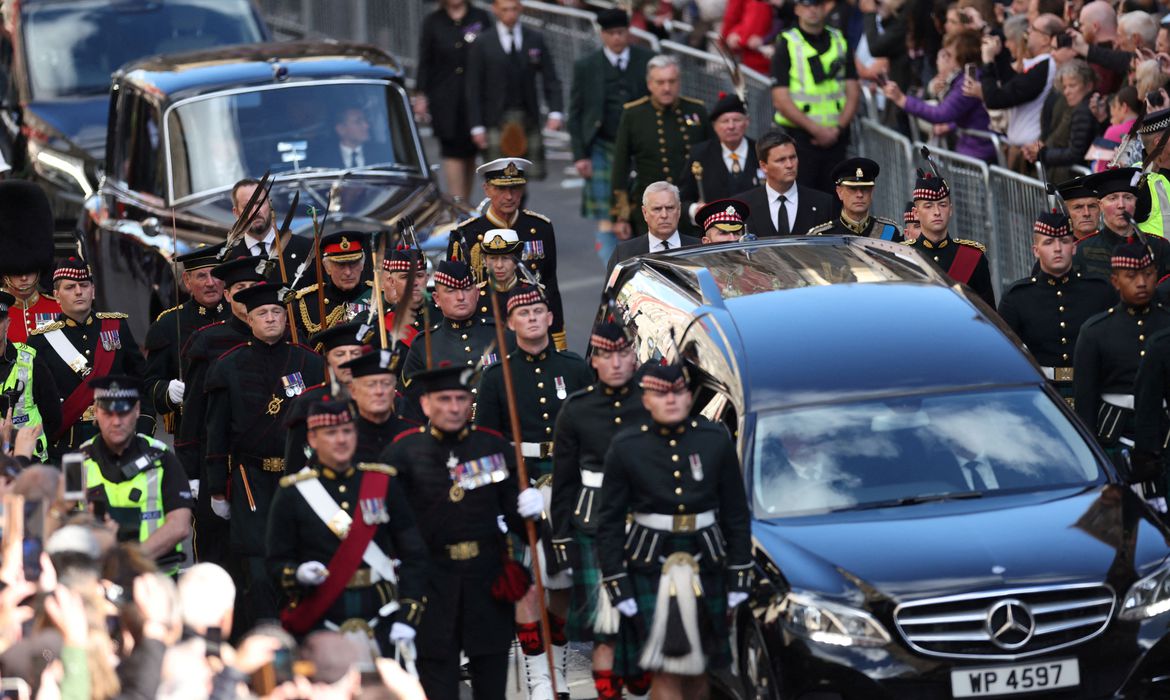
{"points": [[187, 74]]}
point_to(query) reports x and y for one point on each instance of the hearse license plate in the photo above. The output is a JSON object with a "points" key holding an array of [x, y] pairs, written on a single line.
{"points": [[1020, 678]]}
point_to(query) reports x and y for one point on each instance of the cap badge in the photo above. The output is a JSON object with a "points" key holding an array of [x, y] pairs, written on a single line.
{"points": [[345, 244]]}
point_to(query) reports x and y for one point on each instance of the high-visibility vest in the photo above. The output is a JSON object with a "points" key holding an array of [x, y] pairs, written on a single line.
{"points": [[1155, 224], [25, 413], [146, 485], [822, 102]]}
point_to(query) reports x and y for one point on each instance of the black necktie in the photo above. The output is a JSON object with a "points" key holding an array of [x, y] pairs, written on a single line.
{"points": [[263, 248], [665, 245], [782, 228]]}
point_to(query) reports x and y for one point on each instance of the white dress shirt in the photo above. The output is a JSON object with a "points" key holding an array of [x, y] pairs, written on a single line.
{"points": [[741, 153], [656, 243], [254, 245], [510, 39], [774, 204], [618, 60], [347, 157]]}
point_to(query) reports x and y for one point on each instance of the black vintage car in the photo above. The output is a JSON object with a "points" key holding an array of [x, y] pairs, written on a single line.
{"points": [[185, 127], [56, 58], [929, 518]]}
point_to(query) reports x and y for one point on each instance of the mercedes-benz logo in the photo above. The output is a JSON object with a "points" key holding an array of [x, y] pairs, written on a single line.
{"points": [[1010, 624]]}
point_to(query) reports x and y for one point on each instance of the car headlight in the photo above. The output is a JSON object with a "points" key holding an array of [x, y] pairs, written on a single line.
{"points": [[1149, 596], [831, 623]]}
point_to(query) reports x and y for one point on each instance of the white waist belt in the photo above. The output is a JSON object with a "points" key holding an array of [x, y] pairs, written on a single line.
{"points": [[660, 521], [1118, 400], [592, 479], [534, 450]]}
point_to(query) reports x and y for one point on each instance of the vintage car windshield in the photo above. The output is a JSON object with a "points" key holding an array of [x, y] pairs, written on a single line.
{"points": [[217, 139], [75, 46], [900, 450]]}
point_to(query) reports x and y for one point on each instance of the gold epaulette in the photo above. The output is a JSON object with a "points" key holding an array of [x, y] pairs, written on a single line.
{"points": [[973, 244], [692, 100], [302, 475], [635, 103], [542, 217], [819, 228], [164, 313], [300, 294], [110, 314], [370, 283], [473, 219], [377, 467], [54, 326], [884, 220]]}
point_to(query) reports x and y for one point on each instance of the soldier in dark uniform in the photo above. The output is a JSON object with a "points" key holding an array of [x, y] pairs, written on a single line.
{"points": [[396, 268], [678, 479], [723, 221], [82, 345], [338, 345], [501, 257], [722, 166], [1151, 391], [504, 182], [1047, 309], [372, 391], [1111, 346], [347, 292], [249, 389], [315, 513], [168, 334], [543, 377], [585, 427], [654, 139], [1084, 211], [962, 260], [1117, 193], [911, 226], [855, 179], [459, 480]]}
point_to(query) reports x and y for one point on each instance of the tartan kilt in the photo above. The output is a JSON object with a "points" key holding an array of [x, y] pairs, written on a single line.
{"points": [[597, 195], [586, 588], [714, 628]]}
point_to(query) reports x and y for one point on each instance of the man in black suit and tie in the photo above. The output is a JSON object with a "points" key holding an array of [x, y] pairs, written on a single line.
{"points": [[780, 207], [353, 147], [719, 167], [661, 208], [502, 103], [260, 236]]}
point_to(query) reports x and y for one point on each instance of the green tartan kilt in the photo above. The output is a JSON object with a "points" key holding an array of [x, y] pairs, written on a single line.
{"points": [[597, 193], [714, 629], [586, 588]]}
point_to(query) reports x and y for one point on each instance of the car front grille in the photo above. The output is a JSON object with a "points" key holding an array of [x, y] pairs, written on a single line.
{"points": [[1006, 624]]}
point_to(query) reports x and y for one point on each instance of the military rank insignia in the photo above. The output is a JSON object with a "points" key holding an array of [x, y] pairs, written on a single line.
{"points": [[696, 466], [533, 250], [374, 511], [111, 340], [294, 384]]}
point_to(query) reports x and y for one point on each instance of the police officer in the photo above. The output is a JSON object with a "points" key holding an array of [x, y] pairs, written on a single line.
{"points": [[137, 477], [543, 377], [1111, 346], [396, 269], [460, 480], [1153, 205], [347, 292], [855, 179], [723, 221], [342, 543], [26, 387], [338, 345], [1117, 195], [80, 346], [504, 181], [202, 349], [372, 390], [586, 425], [1047, 309], [249, 389], [26, 249], [677, 478], [654, 138], [168, 334], [962, 260]]}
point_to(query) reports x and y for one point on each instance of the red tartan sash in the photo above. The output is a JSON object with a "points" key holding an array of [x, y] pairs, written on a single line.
{"points": [[963, 266]]}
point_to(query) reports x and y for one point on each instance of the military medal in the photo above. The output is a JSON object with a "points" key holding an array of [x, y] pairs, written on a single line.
{"points": [[533, 250], [456, 491], [41, 320], [374, 511], [696, 467], [274, 405], [293, 384], [110, 340], [560, 384]]}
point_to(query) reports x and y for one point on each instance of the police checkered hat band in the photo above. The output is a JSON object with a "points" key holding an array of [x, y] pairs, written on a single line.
{"points": [[454, 274], [327, 413], [1154, 122], [609, 337], [525, 295], [1052, 224], [115, 391], [72, 269]]}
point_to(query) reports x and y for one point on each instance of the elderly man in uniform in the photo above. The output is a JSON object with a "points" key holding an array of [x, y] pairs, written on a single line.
{"points": [[677, 479], [26, 249], [1047, 309], [82, 345], [137, 477], [1084, 211], [855, 179], [249, 389], [346, 292], [654, 137], [723, 221], [504, 181], [342, 544], [586, 425], [1117, 194], [396, 271], [461, 481], [722, 166], [26, 386], [963, 261], [168, 334], [372, 391], [543, 378]]}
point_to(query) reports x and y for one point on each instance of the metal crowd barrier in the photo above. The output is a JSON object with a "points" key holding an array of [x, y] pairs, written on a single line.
{"points": [[1014, 201], [891, 151]]}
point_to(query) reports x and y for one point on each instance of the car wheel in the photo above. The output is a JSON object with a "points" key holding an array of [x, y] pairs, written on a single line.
{"points": [[759, 679]]}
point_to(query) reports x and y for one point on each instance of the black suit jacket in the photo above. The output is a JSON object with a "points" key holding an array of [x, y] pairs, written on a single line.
{"points": [[640, 245], [813, 207], [718, 182], [587, 95], [294, 249], [488, 67], [327, 154]]}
